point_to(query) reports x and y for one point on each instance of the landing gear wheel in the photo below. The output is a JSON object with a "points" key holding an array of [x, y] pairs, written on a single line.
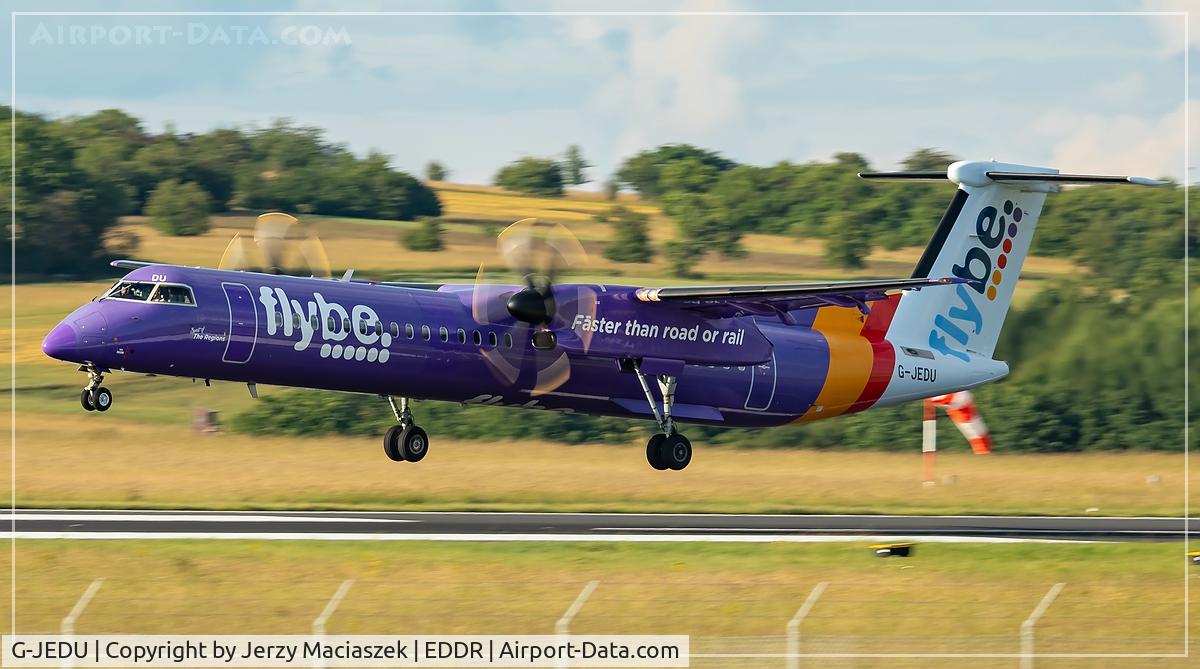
{"points": [[675, 451], [102, 399], [653, 452], [414, 443], [85, 398], [391, 443]]}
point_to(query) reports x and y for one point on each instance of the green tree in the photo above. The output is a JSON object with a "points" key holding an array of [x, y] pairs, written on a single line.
{"points": [[427, 236], [847, 240], [643, 171], [574, 167], [62, 210], [179, 208], [435, 171], [537, 176], [928, 160], [682, 258], [631, 239], [611, 189]]}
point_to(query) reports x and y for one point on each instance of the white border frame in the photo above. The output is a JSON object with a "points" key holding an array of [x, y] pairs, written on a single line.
{"points": [[1186, 186]]}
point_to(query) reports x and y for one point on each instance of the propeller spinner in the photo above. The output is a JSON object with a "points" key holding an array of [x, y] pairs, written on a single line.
{"points": [[539, 252]]}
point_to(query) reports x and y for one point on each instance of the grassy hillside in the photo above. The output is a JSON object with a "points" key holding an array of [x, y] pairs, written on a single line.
{"points": [[473, 215]]}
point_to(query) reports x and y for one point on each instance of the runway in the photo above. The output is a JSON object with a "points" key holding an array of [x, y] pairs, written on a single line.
{"points": [[453, 526]]}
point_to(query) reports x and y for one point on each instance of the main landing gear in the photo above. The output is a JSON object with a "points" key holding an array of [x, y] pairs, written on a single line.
{"points": [[668, 450], [404, 442], [95, 397]]}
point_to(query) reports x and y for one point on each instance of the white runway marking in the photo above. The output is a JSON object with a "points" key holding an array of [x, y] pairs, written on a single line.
{"points": [[198, 518], [611, 538]]}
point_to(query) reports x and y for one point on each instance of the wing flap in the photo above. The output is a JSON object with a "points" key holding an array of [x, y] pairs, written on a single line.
{"points": [[780, 298]]}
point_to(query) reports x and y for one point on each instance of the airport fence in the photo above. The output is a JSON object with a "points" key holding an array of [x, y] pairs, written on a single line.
{"points": [[747, 623]]}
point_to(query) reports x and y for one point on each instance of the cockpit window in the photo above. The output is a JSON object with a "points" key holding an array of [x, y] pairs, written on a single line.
{"points": [[173, 295], [132, 290]]}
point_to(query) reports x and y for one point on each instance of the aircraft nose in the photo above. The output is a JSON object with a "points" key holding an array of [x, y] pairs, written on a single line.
{"points": [[62, 342]]}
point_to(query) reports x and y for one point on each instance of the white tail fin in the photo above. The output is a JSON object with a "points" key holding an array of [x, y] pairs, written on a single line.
{"points": [[984, 237]]}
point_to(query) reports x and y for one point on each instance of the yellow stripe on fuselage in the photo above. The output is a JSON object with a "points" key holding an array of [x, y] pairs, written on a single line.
{"points": [[850, 360]]}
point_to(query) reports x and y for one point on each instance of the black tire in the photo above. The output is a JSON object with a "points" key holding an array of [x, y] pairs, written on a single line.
{"points": [[85, 398], [414, 444], [675, 451], [653, 452], [391, 443], [102, 399]]}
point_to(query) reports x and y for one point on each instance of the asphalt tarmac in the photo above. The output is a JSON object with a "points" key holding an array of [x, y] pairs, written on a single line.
{"points": [[452, 526]]}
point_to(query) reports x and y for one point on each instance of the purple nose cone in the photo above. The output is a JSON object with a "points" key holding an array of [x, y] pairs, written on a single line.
{"points": [[61, 343]]}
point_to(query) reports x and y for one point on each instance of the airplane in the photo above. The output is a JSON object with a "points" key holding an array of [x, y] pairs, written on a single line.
{"points": [[733, 355]]}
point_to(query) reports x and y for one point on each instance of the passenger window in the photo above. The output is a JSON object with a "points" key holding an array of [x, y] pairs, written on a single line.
{"points": [[362, 327], [346, 324], [132, 290], [333, 325], [279, 319], [444, 334], [425, 332], [173, 295], [408, 330], [378, 328], [462, 336], [492, 339], [316, 321], [295, 321], [477, 338], [394, 327], [507, 340]]}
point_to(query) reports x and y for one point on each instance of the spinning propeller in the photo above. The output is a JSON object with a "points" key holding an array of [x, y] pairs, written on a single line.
{"points": [[539, 252], [283, 244]]}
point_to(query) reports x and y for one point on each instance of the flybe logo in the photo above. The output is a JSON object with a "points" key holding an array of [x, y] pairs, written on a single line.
{"points": [[994, 231], [331, 321]]}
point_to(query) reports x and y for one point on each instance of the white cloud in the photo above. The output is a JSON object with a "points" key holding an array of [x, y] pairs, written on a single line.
{"points": [[1119, 144], [1171, 27]]}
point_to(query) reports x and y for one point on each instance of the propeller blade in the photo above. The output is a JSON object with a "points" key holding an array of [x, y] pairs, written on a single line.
{"points": [[504, 371], [515, 244], [314, 255], [234, 256], [550, 377], [586, 302], [270, 233]]}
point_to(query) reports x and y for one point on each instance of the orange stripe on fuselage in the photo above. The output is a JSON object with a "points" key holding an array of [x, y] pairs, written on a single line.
{"points": [[860, 359], [850, 361]]}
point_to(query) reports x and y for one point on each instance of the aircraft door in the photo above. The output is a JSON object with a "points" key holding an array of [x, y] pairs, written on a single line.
{"points": [[762, 385], [243, 323]]}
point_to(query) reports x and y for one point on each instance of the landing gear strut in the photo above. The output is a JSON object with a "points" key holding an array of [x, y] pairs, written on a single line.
{"points": [[95, 397], [668, 450], [404, 442]]}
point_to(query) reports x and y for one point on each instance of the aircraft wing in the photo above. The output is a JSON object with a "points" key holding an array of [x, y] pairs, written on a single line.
{"points": [[778, 299]]}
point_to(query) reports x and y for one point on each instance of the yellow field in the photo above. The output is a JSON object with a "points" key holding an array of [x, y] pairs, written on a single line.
{"points": [[475, 213], [730, 598]]}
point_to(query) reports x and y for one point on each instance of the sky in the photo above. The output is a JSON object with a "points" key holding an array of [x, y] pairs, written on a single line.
{"points": [[1099, 93]]}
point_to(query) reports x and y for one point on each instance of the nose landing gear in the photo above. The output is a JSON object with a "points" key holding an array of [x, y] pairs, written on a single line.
{"points": [[404, 442], [94, 396]]}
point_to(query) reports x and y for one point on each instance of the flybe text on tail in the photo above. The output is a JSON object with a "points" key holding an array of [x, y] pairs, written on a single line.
{"points": [[983, 266]]}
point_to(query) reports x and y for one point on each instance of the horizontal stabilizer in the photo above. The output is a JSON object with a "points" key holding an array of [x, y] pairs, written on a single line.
{"points": [[1075, 178], [975, 170], [904, 176]]}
